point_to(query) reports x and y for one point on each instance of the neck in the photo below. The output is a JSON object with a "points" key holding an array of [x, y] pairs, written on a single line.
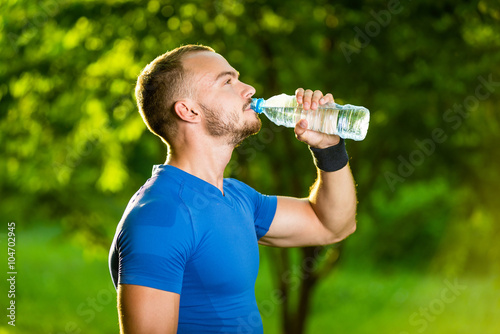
{"points": [[204, 160]]}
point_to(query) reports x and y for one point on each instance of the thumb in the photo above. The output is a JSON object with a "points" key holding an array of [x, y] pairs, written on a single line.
{"points": [[301, 127]]}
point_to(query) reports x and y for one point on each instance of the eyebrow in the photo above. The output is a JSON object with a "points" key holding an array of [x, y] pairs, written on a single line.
{"points": [[233, 74]]}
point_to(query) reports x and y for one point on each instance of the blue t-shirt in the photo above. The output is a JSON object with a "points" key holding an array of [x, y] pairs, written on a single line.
{"points": [[181, 234]]}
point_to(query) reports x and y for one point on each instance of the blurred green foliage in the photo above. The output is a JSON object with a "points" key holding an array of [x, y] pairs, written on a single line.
{"points": [[74, 148]]}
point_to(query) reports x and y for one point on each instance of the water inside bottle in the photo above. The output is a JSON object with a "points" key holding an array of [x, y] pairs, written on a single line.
{"points": [[322, 120], [347, 121]]}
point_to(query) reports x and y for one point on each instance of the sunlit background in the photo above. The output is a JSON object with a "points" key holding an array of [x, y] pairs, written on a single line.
{"points": [[425, 257]]}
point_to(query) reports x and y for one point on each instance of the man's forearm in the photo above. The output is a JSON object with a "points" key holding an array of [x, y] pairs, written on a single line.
{"points": [[333, 196], [333, 199]]}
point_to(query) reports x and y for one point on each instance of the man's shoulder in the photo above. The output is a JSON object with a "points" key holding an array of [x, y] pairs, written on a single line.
{"points": [[159, 189], [241, 190], [158, 199], [237, 184]]}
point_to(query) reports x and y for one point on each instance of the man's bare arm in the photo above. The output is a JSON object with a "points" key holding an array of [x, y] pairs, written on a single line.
{"points": [[328, 215], [146, 310]]}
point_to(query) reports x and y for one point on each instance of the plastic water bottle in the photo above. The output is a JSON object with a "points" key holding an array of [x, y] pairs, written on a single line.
{"points": [[346, 121]]}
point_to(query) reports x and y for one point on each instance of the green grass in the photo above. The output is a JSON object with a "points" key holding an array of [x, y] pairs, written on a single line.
{"points": [[366, 301], [61, 288], [362, 302]]}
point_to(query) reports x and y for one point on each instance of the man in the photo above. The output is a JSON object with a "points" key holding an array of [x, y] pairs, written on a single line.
{"points": [[185, 255]]}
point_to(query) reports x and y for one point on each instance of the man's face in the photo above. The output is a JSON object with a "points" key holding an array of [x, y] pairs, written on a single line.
{"points": [[224, 100]]}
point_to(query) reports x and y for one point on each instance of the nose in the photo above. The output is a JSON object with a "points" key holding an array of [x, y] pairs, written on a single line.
{"points": [[248, 91]]}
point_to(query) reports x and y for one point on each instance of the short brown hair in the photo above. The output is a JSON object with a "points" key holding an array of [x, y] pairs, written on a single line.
{"points": [[160, 83]]}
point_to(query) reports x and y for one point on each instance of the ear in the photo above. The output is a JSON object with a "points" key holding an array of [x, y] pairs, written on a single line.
{"points": [[184, 109]]}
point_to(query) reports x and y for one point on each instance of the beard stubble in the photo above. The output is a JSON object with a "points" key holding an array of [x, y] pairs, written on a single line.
{"points": [[218, 126]]}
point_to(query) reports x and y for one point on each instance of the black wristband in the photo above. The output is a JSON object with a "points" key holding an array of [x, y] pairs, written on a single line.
{"points": [[332, 158]]}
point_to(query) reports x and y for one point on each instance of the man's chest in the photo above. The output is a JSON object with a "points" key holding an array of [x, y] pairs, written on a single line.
{"points": [[226, 254]]}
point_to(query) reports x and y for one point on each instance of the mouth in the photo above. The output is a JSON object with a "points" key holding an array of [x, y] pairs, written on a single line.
{"points": [[246, 107]]}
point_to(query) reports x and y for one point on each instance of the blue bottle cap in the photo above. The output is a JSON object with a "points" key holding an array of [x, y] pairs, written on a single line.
{"points": [[256, 105]]}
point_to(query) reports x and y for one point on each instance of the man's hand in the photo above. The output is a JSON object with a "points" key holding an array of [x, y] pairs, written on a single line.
{"points": [[312, 100]]}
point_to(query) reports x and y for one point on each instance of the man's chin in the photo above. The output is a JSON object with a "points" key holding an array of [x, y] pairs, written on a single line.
{"points": [[249, 130], [255, 127]]}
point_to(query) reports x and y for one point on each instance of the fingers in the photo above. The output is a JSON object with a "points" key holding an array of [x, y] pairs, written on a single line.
{"points": [[312, 99], [299, 93], [300, 128], [313, 138], [327, 98]]}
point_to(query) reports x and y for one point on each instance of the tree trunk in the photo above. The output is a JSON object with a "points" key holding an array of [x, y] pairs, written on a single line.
{"points": [[306, 289]]}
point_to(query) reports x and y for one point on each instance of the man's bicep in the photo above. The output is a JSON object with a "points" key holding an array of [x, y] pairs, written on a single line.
{"points": [[295, 224], [146, 310]]}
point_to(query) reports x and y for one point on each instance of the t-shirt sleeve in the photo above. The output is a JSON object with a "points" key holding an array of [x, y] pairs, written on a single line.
{"points": [[265, 209], [263, 206], [154, 245]]}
